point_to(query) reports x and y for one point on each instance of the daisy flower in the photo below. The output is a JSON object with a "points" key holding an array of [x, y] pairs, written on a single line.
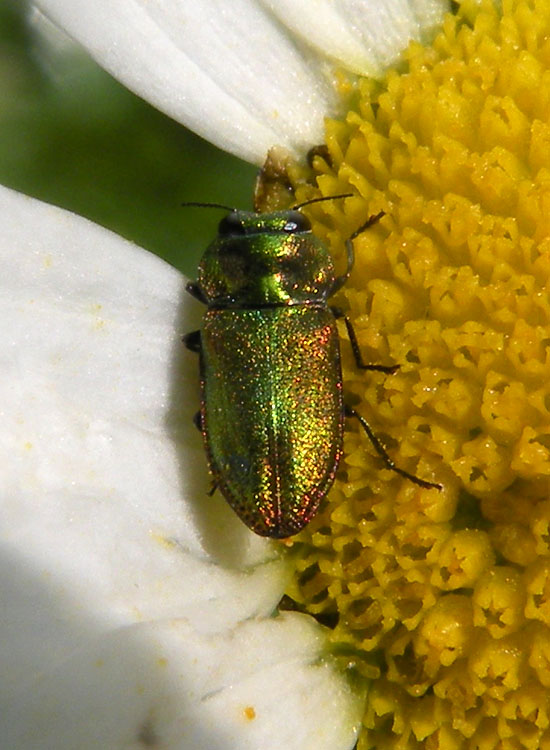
{"points": [[139, 611]]}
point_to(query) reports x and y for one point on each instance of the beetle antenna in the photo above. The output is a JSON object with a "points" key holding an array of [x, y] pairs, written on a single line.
{"points": [[208, 205], [318, 200], [369, 222]]}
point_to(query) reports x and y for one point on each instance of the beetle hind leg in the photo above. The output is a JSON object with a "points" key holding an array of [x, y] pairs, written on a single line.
{"points": [[382, 452], [197, 421]]}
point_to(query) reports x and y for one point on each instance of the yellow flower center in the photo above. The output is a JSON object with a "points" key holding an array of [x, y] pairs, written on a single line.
{"points": [[443, 598]]}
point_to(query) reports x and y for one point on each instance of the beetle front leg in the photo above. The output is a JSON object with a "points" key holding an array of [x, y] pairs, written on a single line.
{"points": [[195, 291], [339, 281], [387, 369], [382, 452]]}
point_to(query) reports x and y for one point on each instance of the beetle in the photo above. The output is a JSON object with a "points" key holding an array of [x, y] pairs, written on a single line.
{"points": [[272, 408]]}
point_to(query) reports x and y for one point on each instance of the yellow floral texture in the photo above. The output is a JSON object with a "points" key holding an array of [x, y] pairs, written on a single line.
{"points": [[443, 598]]}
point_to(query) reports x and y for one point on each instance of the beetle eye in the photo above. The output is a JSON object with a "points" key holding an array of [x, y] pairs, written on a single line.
{"points": [[231, 224], [296, 222]]}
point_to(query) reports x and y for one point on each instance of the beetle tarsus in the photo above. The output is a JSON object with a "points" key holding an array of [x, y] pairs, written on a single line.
{"points": [[379, 448]]}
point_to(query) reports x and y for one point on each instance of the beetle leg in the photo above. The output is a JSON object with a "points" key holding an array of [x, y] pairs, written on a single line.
{"points": [[388, 369], [195, 291], [379, 448], [197, 421], [339, 281], [192, 341], [213, 488]]}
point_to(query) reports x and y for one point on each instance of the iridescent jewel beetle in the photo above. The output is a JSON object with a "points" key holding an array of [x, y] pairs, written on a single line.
{"points": [[272, 409]]}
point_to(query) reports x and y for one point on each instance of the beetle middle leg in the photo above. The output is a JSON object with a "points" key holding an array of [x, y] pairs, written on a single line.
{"points": [[192, 341], [339, 283], [361, 364], [382, 452]]}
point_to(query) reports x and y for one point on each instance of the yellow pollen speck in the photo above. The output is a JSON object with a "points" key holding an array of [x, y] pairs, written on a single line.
{"points": [[444, 597], [162, 540], [249, 713], [98, 322]]}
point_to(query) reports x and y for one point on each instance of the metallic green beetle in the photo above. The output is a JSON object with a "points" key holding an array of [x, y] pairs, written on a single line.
{"points": [[272, 408]]}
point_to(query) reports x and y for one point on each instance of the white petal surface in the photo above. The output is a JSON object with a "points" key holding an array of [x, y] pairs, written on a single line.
{"points": [[248, 74], [163, 684], [363, 36], [104, 514], [105, 525]]}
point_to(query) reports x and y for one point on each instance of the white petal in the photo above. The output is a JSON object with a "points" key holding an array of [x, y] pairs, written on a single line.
{"points": [[163, 684], [105, 518], [107, 534], [200, 63], [363, 36], [246, 75]]}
